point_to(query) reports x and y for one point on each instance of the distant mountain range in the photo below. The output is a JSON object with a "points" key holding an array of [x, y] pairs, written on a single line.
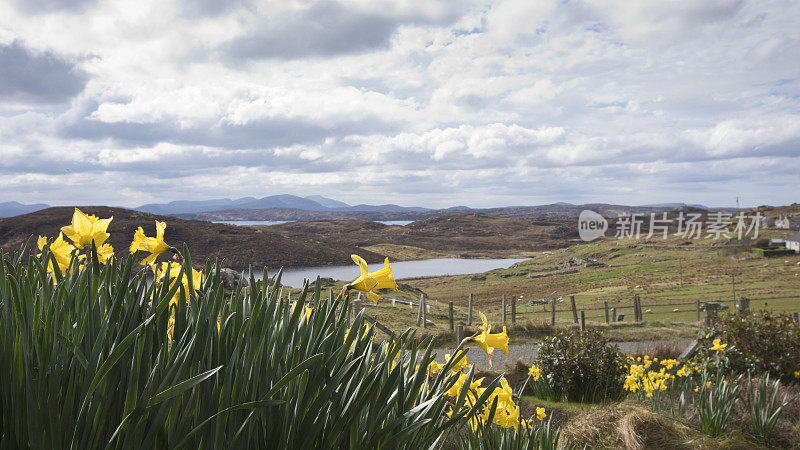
{"points": [[317, 207], [11, 209]]}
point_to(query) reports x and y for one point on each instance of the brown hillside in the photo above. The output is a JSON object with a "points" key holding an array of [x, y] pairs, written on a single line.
{"points": [[458, 232], [238, 246]]}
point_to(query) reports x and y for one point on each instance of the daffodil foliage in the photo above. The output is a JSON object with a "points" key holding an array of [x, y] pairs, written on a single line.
{"points": [[94, 355]]}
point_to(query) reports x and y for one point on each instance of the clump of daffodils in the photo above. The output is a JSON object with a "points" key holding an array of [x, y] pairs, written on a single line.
{"points": [[85, 231], [650, 375], [506, 412]]}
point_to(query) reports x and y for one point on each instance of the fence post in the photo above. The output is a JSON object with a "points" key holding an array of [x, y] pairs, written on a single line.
{"points": [[553, 316], [744, 305], [469, 312], [697, 309], [513, 310], [450, 314], [605, 304], [574, 310], [424, 311], [459, 333], [419, 312], [636, 310], [613, 314], [356, 306], [583, 320], [504, 308]]}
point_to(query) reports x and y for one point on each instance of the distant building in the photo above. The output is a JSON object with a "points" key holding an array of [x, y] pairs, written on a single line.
{"points": [[788, 222], [766, 222], [793, 243], [774, 242]]}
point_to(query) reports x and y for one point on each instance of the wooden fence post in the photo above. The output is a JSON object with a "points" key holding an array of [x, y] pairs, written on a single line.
{"points": [[583, 320], [504, 308], [605, 304], [613, 314], [469, 311], [553, 316], [356, 306], [459, 333], [636, 309], [574, 309], [450, 314], [513, 310]]}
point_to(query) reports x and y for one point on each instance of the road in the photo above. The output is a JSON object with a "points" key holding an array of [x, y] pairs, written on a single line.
{"points": [[527, 353]]}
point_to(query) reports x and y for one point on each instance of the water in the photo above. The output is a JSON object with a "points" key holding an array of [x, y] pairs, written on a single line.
{"points": [[403, 269], [278, 222], [252, 222]]}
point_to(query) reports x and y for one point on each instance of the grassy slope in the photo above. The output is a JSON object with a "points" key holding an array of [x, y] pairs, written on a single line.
{"points": [[650, 269]]}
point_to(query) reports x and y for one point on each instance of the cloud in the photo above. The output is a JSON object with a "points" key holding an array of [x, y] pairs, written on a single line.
{"points": [[37, 77], [488, 103], [51, 6], [325, 29]]}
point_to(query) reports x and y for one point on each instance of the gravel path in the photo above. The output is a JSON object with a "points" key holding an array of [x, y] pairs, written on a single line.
{"points": [[527, 353]]}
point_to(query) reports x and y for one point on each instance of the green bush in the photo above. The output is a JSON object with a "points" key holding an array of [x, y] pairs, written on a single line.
{"points": [[771, 252], [756, 343], [580, 366], [87, 362]]}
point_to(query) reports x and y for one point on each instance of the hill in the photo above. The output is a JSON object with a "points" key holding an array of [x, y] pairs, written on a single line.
{"points": [[239, 246], [11, 209]]}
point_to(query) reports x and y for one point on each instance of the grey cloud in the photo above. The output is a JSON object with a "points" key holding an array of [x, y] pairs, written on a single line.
{"points": [[211, 8], [43, 78], [326, 28], [49, 6]]}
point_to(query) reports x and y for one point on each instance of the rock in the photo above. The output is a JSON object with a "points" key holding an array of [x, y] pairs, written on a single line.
{"points": [[479, 277], [231, 277]]}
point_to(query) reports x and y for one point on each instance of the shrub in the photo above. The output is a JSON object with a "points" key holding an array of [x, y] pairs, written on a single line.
{"points": [[580, 366], [762, 342]]}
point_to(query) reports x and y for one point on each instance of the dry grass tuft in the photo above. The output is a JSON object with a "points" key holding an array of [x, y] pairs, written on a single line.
{"points": [[626, 426], [659, 349]]}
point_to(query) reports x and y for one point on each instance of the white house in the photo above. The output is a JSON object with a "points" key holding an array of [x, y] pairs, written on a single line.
{"points": [[788, 222], [793, 243]]}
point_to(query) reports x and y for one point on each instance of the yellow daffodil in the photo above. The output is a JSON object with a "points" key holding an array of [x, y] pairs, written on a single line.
{"points": [[174, 270], [718, 345], [104, 253], [708, 384], [488, 342], [434, 368], [306, 311], [797, 374], [61, 250], [535, 372], [540, 413], [154, 245], [368, 282], [87, 228], [457, 367]]}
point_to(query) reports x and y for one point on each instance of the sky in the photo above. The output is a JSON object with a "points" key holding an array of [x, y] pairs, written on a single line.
{"points": [[432, 104]]}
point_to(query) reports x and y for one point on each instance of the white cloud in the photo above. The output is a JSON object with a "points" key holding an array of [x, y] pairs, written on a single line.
{"points": [[438, 103]]}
